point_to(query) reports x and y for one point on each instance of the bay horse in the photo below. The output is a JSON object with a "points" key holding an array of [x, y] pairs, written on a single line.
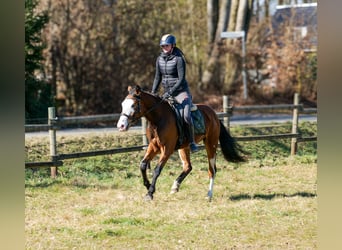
{"points": [[162, 134]]}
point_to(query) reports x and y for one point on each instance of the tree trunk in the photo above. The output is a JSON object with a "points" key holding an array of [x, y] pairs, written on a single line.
{"points": [[233, 15], [212, 13], [210, 75], [267, 8], [194, 42], [240, 17], [230, 62]]}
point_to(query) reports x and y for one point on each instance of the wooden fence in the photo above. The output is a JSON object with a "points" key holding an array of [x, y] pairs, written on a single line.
{"points": [[54, 123]]}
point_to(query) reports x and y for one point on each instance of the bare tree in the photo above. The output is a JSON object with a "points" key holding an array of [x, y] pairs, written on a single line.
{"points": [[96, 49], [236, 15], [210, 77], [213, 14], [239, 20]]}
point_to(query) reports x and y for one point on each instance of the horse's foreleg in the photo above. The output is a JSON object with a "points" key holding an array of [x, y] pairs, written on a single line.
{"points": [[145, 163], [143, 167], [179, 180], [152, 187], [184, 154], [164, 156]]}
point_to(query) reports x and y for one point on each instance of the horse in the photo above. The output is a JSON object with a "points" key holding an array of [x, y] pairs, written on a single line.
{"points": [[162, 134]]}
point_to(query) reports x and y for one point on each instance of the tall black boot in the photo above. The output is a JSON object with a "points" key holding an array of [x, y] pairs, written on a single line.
{"points": [[193, 147]]}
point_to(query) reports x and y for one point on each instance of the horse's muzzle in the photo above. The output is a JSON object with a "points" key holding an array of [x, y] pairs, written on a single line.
{"points": [[122, 124]]}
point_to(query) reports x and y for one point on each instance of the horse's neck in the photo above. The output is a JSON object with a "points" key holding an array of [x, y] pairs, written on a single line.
{"points": [[154, 108]]}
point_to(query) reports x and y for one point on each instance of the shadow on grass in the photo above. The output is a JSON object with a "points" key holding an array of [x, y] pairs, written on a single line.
{"points": [[270, 196], [42, 184], [77, 183]]}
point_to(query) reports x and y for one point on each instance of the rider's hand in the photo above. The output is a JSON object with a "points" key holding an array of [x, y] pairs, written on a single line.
{"points": [[166, 95]]}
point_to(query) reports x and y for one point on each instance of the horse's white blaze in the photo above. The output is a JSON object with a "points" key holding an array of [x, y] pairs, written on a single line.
{"points": [[127, 109]]}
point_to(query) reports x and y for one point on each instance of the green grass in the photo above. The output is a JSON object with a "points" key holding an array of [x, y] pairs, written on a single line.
{"points": [[269, 202]]}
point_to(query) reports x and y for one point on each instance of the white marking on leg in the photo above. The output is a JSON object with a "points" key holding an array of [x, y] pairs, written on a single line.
{"points": [[211, 180], [211, 187], [175, 187]]}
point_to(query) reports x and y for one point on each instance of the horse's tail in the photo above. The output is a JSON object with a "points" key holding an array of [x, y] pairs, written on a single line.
{"points": [[230, 149]]}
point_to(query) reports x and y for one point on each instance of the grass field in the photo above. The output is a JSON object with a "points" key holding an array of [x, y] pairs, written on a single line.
{"points": [[270, 202]]}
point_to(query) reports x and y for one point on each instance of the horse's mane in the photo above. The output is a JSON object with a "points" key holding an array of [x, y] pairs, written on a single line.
{"points": [[137, 88]]}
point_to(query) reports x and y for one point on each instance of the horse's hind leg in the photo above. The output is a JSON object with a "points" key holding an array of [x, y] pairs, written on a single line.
{"points": [[212, 173], [211, 153], [184, 154]]}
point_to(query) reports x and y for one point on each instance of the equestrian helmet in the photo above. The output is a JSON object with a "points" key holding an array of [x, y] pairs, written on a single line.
{"points": [[168, 39]]}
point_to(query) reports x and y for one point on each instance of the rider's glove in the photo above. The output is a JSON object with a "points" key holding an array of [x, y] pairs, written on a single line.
{"points": [[166, 95]]}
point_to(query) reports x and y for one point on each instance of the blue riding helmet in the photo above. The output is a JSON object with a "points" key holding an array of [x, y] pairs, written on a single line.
{"points": [[167, 39]]}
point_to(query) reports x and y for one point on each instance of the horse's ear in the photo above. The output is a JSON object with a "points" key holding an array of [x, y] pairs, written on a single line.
{"points": [[137, 89]]}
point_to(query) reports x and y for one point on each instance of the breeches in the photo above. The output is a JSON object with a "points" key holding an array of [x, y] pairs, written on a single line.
{"points": [[184, 98]]}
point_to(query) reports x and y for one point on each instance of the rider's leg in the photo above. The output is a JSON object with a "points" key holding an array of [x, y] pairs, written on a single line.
{"points": [[185, 99], [188, 119]]}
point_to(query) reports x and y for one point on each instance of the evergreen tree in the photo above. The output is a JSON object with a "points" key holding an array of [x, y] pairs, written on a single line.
{"points": [[37, 90]]}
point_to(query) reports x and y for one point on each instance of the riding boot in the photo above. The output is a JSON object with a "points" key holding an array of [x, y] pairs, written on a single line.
{"points": [[193, 147]]}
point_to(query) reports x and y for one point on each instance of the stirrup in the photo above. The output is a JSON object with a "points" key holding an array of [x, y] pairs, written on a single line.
{"points": [[193, 147]]}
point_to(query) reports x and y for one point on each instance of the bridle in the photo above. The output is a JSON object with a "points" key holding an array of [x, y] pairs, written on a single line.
{"points": [[131, 118], [137, 98]]}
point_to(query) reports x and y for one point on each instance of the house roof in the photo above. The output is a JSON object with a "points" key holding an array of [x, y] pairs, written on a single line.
{"points": [[299, 15]]}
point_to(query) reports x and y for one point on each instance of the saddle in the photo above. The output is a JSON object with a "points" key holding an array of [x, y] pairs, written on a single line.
{"points": [[197, 118]]}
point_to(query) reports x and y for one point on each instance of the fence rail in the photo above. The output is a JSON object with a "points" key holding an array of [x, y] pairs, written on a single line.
{"points": [[57, 122]]}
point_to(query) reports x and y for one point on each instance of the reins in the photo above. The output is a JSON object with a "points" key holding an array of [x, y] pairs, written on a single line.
{"points": [[146, 112]]}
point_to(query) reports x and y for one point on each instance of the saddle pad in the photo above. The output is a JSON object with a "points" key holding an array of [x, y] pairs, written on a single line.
{"points": [[198, 120]]}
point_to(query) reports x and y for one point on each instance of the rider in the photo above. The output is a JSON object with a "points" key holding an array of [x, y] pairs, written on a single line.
{"points": [[170, 71]]}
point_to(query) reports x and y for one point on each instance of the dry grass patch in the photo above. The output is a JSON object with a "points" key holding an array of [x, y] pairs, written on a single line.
{"points": [[270, 202], [273, 210]]}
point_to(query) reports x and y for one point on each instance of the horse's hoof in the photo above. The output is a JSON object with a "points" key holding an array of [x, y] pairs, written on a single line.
{"points": [[175, 187], [148, 197], [174, 190], [210, 196]]}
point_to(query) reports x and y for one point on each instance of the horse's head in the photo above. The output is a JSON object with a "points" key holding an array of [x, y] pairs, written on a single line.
{"points": [[130, 109]]}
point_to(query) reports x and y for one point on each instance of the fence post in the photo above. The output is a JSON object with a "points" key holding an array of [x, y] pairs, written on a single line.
{"points": [[226, 118], [143, 126], [295, 124], [52, 135]]}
